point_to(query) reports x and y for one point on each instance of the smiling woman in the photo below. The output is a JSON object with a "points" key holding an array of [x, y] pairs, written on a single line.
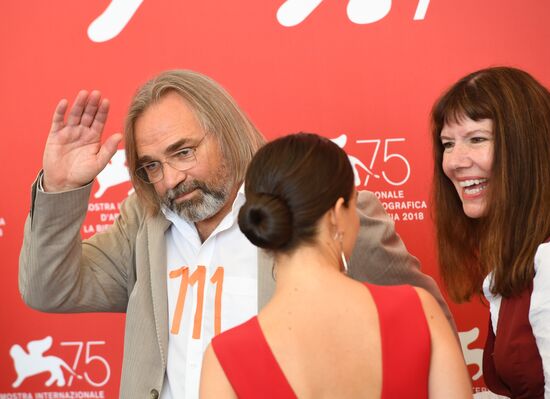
{"points": [[491, 146], [467, 161]]}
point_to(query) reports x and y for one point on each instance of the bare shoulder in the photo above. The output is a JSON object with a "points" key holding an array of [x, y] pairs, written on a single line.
{"points": [[449, 377], [214, 383], [437, 320], [429, 304]]}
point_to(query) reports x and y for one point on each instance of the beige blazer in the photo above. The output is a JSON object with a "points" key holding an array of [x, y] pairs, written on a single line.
{"points": [[123, 270]]}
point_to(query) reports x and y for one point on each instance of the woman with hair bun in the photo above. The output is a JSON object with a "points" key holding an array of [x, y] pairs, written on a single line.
{"points": [[324, 335]]}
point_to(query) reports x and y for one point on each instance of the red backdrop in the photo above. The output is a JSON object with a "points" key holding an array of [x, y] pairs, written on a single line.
{"points": [[366, 73]]}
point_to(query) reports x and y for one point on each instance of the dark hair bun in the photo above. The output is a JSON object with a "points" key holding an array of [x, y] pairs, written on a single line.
{"points": [[266, 221]]}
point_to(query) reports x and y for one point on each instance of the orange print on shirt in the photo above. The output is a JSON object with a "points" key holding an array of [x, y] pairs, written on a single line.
{"points": [[197, 277]]}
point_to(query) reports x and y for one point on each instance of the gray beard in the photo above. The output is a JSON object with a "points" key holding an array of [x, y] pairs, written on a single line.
{"points": [[207, 202]]}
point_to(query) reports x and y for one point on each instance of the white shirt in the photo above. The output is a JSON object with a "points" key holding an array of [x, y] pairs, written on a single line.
{"points": [[539, 309], [223, 267]]}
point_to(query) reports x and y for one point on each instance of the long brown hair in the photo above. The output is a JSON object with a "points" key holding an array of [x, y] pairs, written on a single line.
{"points": [[217, 112], [505, 240]]}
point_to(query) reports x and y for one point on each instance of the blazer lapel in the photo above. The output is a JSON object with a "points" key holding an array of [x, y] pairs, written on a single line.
{"points": [[157, 269], [266, 283]]}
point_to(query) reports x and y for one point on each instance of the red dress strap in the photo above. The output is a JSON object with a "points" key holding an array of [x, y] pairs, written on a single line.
{"points": [[512, 365], [405, 338], [249, 364]]}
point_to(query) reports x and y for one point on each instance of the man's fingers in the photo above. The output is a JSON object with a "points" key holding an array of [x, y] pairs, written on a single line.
{"points": [[87, 110], [79, 104], [100, 116], [108, 149], [58, 120], [91, 108]]}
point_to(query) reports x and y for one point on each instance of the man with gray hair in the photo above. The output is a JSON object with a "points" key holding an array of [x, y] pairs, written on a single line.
{"points": [[175, 260]]}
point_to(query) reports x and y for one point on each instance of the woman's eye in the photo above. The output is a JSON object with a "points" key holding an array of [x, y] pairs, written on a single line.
{"points": [[478, 139], [447, 145]]}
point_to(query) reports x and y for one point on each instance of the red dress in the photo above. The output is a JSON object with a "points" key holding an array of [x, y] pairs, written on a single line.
{"points": [[253, 371]]}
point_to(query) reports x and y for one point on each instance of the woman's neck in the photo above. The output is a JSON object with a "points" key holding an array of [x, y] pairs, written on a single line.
{"points": [[307, 268]]}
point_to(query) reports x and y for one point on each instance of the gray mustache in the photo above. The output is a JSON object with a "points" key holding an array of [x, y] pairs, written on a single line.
{"points": [[185, 187], [188, 186]]}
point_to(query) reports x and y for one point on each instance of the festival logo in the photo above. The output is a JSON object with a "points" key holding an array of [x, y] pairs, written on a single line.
{"points": [[473, 356], [118, 14], [384, 160], [115, 173], [358, 166], [113, 20], [294, 12], [31, 362], [403, 169], [103, 213]]}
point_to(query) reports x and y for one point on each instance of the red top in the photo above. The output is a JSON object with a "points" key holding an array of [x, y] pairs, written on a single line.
{"points": [[253, 371]]}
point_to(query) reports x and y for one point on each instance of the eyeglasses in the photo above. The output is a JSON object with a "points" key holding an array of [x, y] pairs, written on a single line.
{"points": [[182, 160]]}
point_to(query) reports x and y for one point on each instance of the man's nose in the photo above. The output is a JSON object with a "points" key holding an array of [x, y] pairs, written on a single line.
{"points": [[171, 176]]}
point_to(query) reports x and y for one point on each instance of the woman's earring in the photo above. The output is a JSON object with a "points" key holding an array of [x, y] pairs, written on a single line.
{"points": [[345, 263], [339, 236]]}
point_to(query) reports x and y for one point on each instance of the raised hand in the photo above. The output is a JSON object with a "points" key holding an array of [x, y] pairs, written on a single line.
{"points": [[74, 155]]}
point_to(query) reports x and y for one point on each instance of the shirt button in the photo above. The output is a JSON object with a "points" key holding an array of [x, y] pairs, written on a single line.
{"points": [[154, 394]]}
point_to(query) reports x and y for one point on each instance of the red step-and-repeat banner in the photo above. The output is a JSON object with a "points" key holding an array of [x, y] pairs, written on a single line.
{"points": [[362, 72]]}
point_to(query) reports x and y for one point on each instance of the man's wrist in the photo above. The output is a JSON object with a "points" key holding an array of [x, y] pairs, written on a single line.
{"points": [[40, 186]]}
